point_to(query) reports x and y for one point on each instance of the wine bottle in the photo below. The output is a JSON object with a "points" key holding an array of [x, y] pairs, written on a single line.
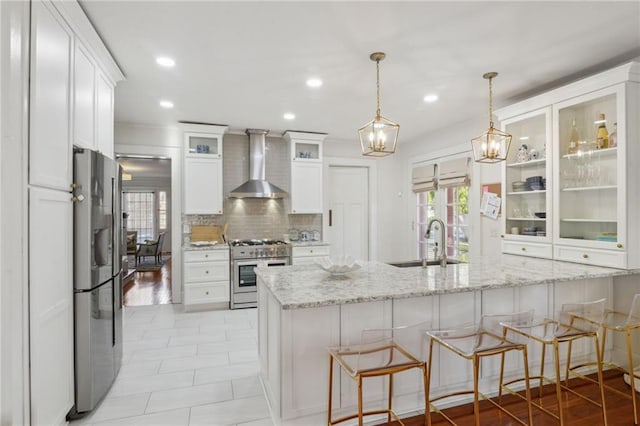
{"points": [[602, 136], [613, 137], [574, 139]]}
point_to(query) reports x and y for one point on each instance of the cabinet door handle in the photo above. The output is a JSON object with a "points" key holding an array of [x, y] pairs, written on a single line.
{"points": [[330, 217], [585, 256], [501, 235], [206, 292], [619, 245], [206, 255], [206, 272], [524, 249]]}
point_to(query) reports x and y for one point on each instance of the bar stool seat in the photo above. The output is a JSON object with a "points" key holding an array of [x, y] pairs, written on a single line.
{"points": [[381, 352], [474, 343], [570, 326]]}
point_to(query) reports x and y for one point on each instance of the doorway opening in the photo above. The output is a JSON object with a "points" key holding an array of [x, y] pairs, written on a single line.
{"points": [[146, 201]]}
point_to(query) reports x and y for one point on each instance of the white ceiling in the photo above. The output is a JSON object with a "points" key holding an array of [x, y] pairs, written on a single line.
{"points": [[244, 64]]}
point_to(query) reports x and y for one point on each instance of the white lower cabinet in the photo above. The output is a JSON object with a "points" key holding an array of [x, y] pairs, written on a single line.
{"points": [[611, 258], [525, 248], [308, 255], [50, 305], [206, 276]]}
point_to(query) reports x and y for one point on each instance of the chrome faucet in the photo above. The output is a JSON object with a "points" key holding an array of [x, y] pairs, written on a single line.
{"points": [[443, 247]]}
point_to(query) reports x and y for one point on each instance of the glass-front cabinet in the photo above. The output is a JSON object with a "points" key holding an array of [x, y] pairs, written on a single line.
{"points": [[577, 198], [204, 145], [591, 169], [526, 176]]}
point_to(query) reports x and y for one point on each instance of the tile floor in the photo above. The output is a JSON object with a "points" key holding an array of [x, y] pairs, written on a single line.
{"points": [[184, 369]]}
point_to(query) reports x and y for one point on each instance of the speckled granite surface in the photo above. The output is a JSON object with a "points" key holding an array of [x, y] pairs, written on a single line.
{"points": [[308, 243], [308, 286], [214, 247]]}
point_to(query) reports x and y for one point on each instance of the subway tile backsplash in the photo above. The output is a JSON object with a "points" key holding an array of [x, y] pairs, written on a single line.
{"points": [[254, 217]]}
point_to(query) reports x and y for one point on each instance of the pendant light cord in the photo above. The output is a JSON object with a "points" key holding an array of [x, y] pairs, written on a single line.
{"points": [[378, 88], [491, 102]]}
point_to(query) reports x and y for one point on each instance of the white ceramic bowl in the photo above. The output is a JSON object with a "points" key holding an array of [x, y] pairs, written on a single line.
{"points": [[338, 264]]}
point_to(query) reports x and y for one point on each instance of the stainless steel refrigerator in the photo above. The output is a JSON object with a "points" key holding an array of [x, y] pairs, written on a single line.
{"points": [[97, 277]]}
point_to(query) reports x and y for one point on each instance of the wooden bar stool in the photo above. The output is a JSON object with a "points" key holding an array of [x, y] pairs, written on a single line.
{"points": [[568, 328], [490, 338], [381, 352]]}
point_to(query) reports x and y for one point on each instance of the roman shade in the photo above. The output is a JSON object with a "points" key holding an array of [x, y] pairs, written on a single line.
{"points": [[423, 178], [454, 173]]}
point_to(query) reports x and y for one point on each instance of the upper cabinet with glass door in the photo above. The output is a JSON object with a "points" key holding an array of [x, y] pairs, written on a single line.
{"points": [[204, 145], [591, 195]]}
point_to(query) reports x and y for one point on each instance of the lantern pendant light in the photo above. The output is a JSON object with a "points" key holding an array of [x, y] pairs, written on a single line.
{"points": [[492, 146], [378, 138]]}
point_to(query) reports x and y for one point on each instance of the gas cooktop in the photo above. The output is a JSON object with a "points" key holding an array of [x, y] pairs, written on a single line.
{"points": [[264, 242]]}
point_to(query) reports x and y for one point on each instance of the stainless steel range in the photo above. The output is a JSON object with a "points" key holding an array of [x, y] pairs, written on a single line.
{"points": [[246, 255]]}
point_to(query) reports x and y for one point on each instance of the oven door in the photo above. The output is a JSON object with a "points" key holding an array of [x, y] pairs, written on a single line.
{"points": [[245, 279]]}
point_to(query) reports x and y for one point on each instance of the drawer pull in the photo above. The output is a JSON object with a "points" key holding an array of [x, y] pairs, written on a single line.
{"points": [[524, 249], [619, 245], [502, 236], [310, 251], [206, 272], [585, 256], [206, 292], [206, 255]]}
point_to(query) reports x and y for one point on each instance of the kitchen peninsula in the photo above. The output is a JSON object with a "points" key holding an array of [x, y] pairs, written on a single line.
{"points": [[303, 310]]}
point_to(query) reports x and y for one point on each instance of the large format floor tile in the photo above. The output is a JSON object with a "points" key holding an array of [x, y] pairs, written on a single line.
{"points": [[183, 368]]}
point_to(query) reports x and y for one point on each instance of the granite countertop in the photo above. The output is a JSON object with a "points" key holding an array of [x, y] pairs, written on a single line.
{"points": [[308, 243], [219, 246], [308, 286]]}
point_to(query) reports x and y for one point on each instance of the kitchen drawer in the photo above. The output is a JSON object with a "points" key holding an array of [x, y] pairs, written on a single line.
{"points": [[206, 255], [206, 293], [206, 271], [319, 251], [610, 258], [527, 249]]}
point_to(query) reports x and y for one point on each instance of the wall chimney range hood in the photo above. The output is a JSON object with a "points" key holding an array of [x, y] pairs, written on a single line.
{"points": [[257, 186]]}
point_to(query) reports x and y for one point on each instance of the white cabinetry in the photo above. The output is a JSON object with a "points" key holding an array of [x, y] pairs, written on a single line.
{"points": [[50, 305], [50, 159], [104, 115], [590, 191], [83, 99], [526, 209], [206, 276], [307, 255], [306, 171], [67, 62], [203, 169], [93, 105]]}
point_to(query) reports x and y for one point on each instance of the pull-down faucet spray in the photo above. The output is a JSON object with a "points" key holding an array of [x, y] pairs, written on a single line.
{"points": [[443, 248]]}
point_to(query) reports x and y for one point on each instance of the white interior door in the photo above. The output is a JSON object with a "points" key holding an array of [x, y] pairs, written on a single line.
{"points": [[348, 203]]}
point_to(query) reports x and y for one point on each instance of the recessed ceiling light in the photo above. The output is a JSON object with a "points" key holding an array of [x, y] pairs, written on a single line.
{"points": [[166, 104], [314, 82], [432, 97], [289, 116], [165, 61]]}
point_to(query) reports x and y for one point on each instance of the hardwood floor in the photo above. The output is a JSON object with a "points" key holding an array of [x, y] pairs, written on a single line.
{"points": [[149, 288], [577, 411]]}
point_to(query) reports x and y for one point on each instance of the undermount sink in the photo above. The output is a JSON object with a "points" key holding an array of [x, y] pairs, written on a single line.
{"points": [[414, 263]]}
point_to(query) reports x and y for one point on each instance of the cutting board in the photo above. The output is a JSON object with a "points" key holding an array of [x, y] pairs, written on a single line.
{"points": [[206, 233]]}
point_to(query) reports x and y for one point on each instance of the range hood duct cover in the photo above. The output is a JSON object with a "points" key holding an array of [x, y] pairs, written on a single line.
{"points": [[257, 186]]}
